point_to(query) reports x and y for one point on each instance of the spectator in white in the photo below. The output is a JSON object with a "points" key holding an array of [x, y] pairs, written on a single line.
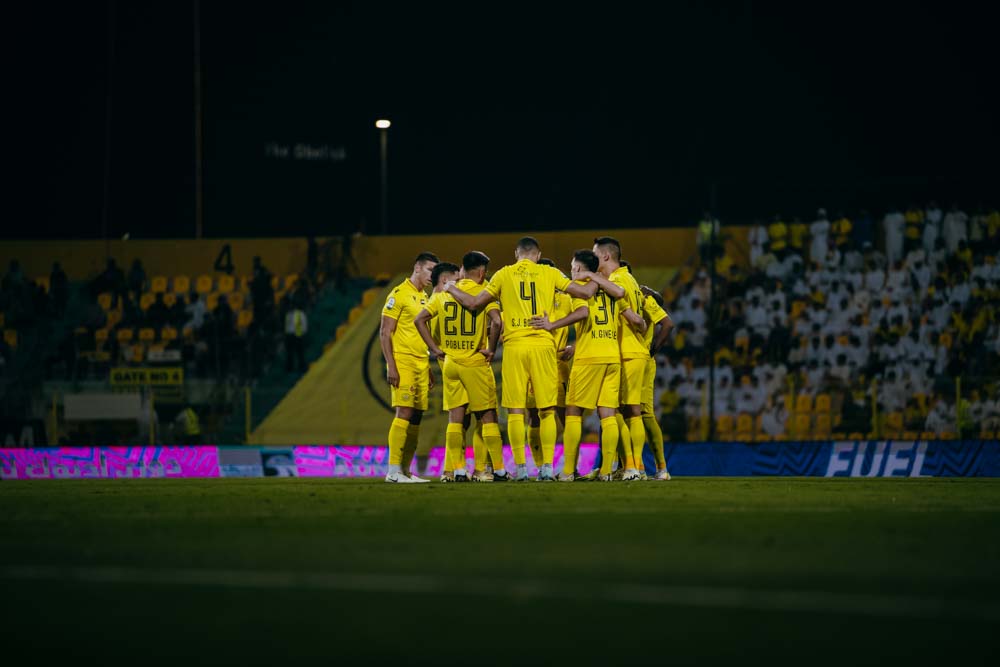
{"points": [[296, 328], [815, 375], [941, 353], [939, 255], [879, 311], [759, 395], [819, 230], [940, 419], [955, 228], [758, 241], [694, 393], [674, 368], [892, 395], [840, 371], [991, 413], [959, 291], [854, 261], [723, 373], [833, 260], [920, 274], [874, 280], [777, 306], [893, 224], [818, 313], [898, 313], [195, 310], [857, 352], [774, 417], [985, 269], [723, 398], [757, 319], [940, 315], [745, 397], [897, 280], [932, 226], [815, 351]]}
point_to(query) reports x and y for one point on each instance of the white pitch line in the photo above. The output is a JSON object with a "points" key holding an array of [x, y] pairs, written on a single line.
{"points": [[711, 597]]}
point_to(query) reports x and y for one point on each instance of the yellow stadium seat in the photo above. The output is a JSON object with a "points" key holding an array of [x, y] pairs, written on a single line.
{"points": [[158, 285], [147, 335], [124, 335], [341, 330], [837, 435], [382, 278], [290, 280], [369, 297], [168, 334], [823, 426], [146, 300], [188, 333], [114, 317], [928, 435], [894, 422], [226, 284], [275, 282], [910, 435], [724, 424], [822, 403], [10, 337], [236, 300], [789, 402], [181, 284], [169, 299], [803, 403], [245, 283], [156, 347], [798, 307], [948, 436], [355, 314], [104, 300], [43, 281], [244, 319], [744, 423], [137, 353], [203, 284], [101, 336], [212, 301], [800, 426], [855, 436], [987, 435]]}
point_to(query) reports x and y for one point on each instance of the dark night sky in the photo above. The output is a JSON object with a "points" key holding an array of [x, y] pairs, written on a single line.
{"points": [[504, 118]]}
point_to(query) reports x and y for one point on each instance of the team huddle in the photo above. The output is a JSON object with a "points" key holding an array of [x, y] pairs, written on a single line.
{"points": [[529, 305]]}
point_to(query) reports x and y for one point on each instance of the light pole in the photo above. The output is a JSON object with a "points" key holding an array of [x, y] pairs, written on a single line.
{"points": [[383, 142]]}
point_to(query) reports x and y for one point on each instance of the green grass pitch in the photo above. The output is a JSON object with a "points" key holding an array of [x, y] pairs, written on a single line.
{"points": [[311, 571]]}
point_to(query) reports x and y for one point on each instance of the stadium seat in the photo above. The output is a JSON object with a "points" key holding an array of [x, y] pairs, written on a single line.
{"points": [[789, 402], [169, 299], [824, 425], [356, 313], [800, 426], [155, 347], [910, 435], [948, 436], [946, 340], [104, 300], [382, 278], [369, 297], [101, 336], [823, 403], [146, 300], [236, 300], [275, 283], [43, 282], [137, 353], [928, 435], [894, 423], [181, 285], [212, 301], [147, 335], [838, 435], [244, 319], [203, 284], [245, 283], [744, 423], [188, 333], [158, 285], [803, 403], [10, 337], [872, 435], [290, 280], [724, 427], [855, 436], [987, 435], [114, 317], [124, 335], [168, 334], [226, 284], [341, 331]]}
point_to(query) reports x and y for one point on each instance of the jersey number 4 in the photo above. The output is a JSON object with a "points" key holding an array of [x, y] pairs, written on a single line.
{"points": [[529, 295]]}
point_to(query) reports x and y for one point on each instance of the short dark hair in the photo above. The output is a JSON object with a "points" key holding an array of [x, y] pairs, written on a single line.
{"points": [[657, 297], [610, 244], [626, 265], [528, 243], [545, 261], [588, 259], [474, 259], [439, 268], [426, 257]]}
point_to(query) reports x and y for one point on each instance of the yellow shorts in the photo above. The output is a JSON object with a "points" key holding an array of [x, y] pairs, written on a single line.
{"points": [[593, 385], [633, 376], [647, 387], [413, 383], [524, 364], [472, 385], [563, 367]]}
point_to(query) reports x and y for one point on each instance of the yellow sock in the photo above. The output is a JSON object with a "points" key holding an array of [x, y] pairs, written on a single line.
{"points": [[609, 442], [571, 442], [637, 432], [397, 440], [515, 432], [655, 437], [410, 448], [478, 448], [535, 445], [547, 434], [624, 442], [491, 434], [455, 443]]}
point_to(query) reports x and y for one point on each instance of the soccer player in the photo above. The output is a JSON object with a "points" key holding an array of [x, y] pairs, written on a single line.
{"points": [[595, 379], [633, 348], [406, 364], [525, 290], [560, 308], [442, 273], [658, 326], [469, 384]]}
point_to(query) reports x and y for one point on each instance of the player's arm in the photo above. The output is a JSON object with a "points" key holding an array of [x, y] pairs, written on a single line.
{"points": [[496, 326], [567, 354], [385, 332], [636, 321], [468, 301], [543, 322], [597, 281], [666, 325], [421, 320]]}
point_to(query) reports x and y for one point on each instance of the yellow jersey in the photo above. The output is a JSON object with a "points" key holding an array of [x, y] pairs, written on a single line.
{"points": [[597, 336], [524, 290], [632, 345], [560, 309], [402, 305], [653, 314], [463, 333]]}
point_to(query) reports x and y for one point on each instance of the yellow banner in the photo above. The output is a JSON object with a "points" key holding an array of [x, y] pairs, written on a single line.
{"points": [[134, 377]]}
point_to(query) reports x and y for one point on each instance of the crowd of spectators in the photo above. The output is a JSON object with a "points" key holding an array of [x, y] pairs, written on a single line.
{"points": [[883, 326]]}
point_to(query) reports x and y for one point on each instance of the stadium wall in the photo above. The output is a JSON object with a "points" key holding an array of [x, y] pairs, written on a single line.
{"points": [[372, 255], [884, 458]]}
